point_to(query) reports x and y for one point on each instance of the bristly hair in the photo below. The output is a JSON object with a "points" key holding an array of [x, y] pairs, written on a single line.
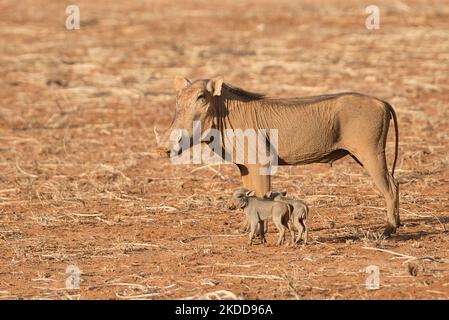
{"points": [[238, 91], [243, 93]]}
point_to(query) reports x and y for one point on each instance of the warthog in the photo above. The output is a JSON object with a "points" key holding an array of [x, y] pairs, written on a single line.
{"points": [[232, 206], [258, 211], [299, 215], [313, 129]]}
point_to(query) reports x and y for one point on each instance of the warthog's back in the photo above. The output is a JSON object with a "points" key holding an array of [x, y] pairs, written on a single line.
{"points": [[302, 101], [265, 208], [310, 129], [299, 207]]}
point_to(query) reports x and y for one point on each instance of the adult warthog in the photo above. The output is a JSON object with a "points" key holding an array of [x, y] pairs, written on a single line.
{"points": [[312, 129]]}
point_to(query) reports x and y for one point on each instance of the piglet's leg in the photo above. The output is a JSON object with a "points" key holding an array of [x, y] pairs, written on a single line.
{"points": [[262, 232], [278, 223], [306, 235], [253, 227], [292, 236]]}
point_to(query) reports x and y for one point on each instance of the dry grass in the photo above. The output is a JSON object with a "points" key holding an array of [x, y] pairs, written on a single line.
{"points": [[81, 184]]}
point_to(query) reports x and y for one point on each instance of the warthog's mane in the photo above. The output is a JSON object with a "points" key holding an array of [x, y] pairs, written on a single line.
{"points": [[297, 101], [239, 92], [243, 93], [248, 95], [292, 101]]}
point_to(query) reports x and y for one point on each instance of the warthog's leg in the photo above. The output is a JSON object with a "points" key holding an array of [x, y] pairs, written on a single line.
{"points": [[290, 225], [281, 238], [286, 223], [262, 232], [365, 138], [247, 183], [278, 223], [306, 234], [292, 235], [253, 228], [376, 166], [302, 227], [252, 180], [282, 225]]}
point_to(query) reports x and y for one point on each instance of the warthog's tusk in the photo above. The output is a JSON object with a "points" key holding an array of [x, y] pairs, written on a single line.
{"points": [[158, 139]]}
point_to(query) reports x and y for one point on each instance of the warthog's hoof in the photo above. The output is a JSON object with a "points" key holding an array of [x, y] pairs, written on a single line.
{"points": [[389, 230]]}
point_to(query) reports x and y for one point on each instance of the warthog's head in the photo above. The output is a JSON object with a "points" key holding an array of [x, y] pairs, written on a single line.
{"points": [[239, 198], [194, 102], [275, 195]]}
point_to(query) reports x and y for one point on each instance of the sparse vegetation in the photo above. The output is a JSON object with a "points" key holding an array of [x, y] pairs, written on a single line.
{"points": [[81, 185]]}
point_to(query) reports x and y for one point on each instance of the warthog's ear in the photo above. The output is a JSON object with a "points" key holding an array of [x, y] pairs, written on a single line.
{"points": [[283, 193], [214, 86], [181, 83], [250, 193]]}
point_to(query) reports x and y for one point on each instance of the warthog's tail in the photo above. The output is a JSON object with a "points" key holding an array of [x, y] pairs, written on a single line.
{"points": [[396, 130], [290, 210]]}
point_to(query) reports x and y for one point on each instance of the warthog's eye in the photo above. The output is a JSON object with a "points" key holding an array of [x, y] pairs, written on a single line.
{"points": [[200, 97]]}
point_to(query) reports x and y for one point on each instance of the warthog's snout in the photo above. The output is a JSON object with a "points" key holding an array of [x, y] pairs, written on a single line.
{"points": [[163, 147], [163, 152]]}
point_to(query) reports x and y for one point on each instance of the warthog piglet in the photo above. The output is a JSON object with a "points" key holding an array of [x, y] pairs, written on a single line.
{"points": [[259, 211], [299, 215]]}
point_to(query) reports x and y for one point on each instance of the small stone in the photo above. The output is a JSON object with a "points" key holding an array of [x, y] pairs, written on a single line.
{"points": [[412, 269]]}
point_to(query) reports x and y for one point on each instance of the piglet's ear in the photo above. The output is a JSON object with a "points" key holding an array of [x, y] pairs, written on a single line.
{"points": [[251, 193], [214, 86], [181, 83], [268, 194]]}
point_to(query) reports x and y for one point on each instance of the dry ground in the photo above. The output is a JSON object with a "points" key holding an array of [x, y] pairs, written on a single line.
{"points": [[81, 185]]}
